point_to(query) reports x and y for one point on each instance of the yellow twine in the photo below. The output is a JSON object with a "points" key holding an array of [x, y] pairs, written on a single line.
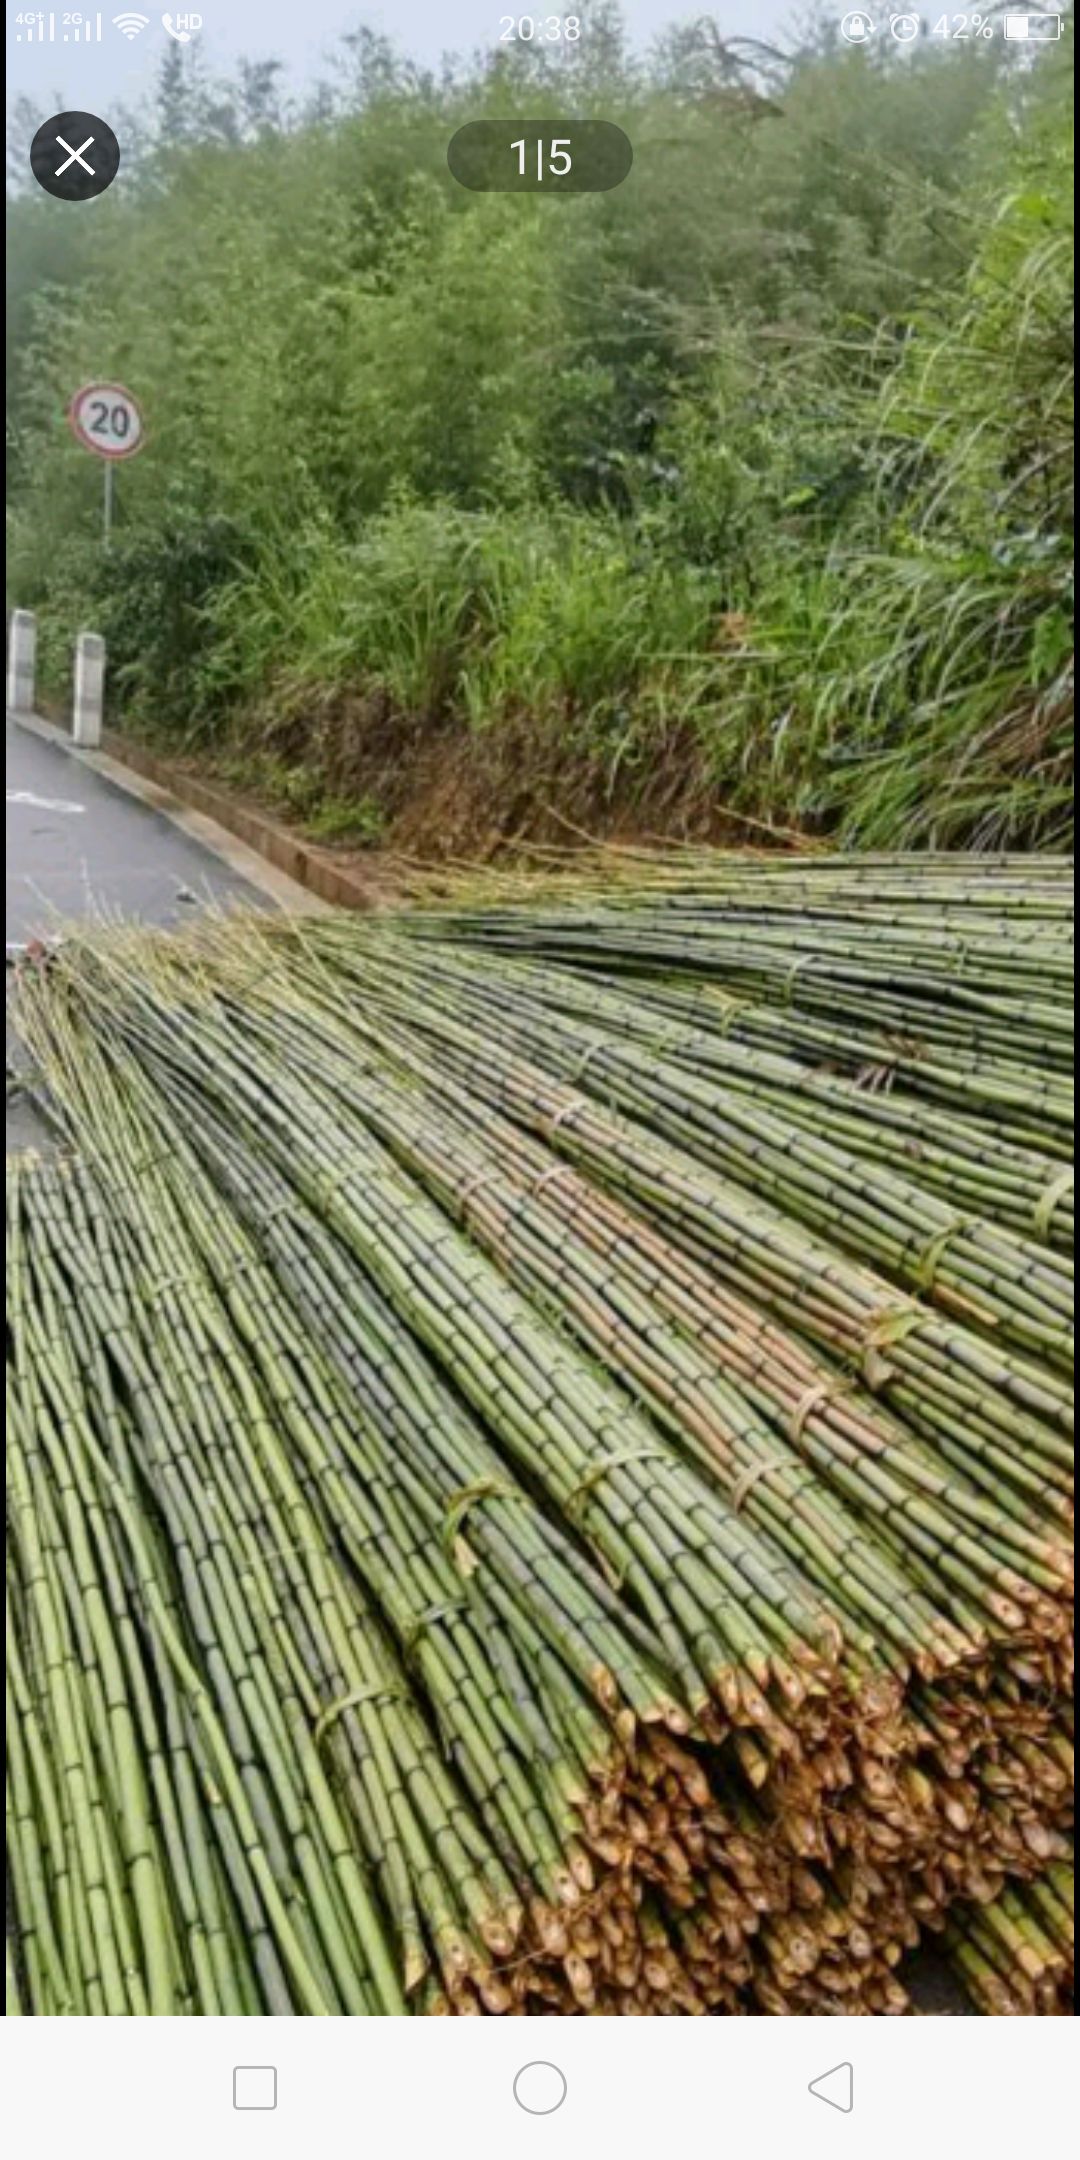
{"points": [[819, 1392], [752, 1477], [469, 1497], [578, 1497]]}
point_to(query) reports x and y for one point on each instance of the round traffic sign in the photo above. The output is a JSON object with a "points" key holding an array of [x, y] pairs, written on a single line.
{"points": [[106, 419]]}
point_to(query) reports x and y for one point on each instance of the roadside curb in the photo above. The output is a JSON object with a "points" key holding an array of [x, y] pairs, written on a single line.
{"points": [[307, 866], [260, 852]]}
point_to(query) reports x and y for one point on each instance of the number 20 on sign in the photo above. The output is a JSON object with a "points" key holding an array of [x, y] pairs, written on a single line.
{"points": [[106, 419]]}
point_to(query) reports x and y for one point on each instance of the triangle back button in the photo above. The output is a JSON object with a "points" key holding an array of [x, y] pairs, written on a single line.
{"points": [[837, 2088]]}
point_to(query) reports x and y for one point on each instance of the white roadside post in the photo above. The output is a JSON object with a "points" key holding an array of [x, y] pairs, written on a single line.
{"points": [[22, 661], [88, 703]]}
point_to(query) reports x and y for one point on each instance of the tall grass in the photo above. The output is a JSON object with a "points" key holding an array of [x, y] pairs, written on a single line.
{"points": [[935, 687]]}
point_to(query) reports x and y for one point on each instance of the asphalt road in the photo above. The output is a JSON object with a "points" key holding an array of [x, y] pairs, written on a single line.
{"points": [[77, 846], [76, 843]]}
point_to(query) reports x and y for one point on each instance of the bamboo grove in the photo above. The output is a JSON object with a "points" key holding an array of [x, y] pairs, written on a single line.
{"points": [[540, 1450]]}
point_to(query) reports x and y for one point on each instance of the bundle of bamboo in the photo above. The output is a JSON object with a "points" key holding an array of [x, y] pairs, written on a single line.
{"points": [[568, 1497], [1017, 1956]]}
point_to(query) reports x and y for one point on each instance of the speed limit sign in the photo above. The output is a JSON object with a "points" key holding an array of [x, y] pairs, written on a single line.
{"points": [[106, 419]]}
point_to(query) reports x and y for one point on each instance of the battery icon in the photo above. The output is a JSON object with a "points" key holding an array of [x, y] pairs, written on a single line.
{"points": [[1041, 29]]}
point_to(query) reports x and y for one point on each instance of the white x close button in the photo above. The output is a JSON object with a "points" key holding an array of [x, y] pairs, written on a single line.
{"points": [[75, 156]]}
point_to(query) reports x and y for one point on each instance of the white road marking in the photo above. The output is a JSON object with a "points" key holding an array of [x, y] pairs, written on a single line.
{"points": [[44, 802]]}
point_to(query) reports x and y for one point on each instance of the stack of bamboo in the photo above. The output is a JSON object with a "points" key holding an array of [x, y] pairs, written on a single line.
{"points": [[541, 1473], [1017, 1956]]}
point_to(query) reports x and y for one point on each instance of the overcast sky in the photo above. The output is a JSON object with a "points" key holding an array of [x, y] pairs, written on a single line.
{"points": [[90, 78]]}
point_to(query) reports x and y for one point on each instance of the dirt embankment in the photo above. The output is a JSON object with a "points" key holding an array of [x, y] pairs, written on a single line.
{"points": [[439, 792]]}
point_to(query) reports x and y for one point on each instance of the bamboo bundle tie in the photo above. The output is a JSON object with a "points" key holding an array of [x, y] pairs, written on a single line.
{"points": [[419, 1623], [744, 1486], [800, 966], [1058, 1190], [812, 1398], [929, 1260], [736, 1010], [378, 1697], [578, 1498], [887, 1326], [461, 1503], [590, 1051], [563, 1115], [558, 1172], [476, 1184]]}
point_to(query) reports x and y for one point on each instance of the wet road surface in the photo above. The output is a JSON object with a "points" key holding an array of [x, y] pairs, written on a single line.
{"points": [[76, 843]]}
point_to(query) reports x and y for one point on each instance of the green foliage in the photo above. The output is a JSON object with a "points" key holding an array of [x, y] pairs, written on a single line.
{"points": [[766, 451], [933, 684], [154, 589], [358, 824], [298, 789], [445, 612]]}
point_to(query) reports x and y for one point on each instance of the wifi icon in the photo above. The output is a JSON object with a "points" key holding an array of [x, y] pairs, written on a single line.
{"points": [[131, 24]]}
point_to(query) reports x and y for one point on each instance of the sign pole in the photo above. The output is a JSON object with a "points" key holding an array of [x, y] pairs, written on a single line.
{"points": [[110, 481]]}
